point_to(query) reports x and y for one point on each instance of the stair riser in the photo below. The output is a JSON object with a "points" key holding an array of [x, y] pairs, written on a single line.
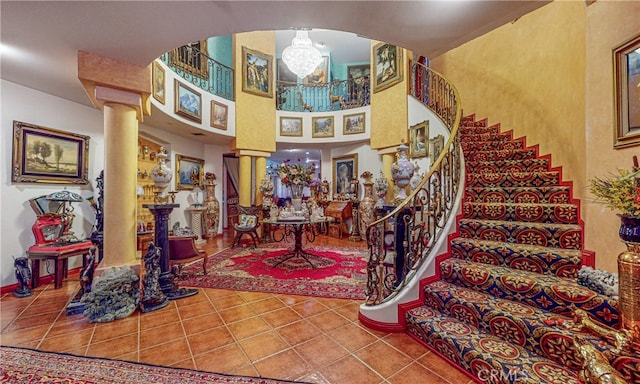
{"points": [[534, 213], [473, 137], [468, 130], [543, 195], [473, 146], [517, 154], [500, 167], [558, 262], [523, 179]]}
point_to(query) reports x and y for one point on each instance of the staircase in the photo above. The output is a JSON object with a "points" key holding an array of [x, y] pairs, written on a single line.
{"points": [[496, 305]]}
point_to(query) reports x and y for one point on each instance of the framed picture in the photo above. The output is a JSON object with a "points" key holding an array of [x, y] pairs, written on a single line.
{"points": [[322, 126], [284, 74], [219, 115], [188, 102], [189, 172], [345, 169], [358, 80], [436, 145], [418, 139], [191, 58], [46, 155], [257, 72], [158, 82], [353, 124], [320, 75], [388, 66], [290, 126], [626, 64]]}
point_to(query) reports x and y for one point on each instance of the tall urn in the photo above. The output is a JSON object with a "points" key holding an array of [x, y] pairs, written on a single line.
{"points": [[367, 206], [629, 276], [212, 209], [401, 172]]}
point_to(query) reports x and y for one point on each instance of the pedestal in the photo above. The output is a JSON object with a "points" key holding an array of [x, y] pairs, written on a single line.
{"points": [[161, 218], [197, 216], [355, 226], [266, 227]]}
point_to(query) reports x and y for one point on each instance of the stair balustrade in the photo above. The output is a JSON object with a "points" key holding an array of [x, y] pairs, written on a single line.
{"points": [[336, 95], [417, 222]]}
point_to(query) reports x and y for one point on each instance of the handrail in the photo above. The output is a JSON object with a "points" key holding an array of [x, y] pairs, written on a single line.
{"points": [[207, 73], [418, 221], [335, 95]]}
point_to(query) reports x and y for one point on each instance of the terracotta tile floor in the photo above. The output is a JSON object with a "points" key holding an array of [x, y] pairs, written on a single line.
{"points": [[309, 339]]}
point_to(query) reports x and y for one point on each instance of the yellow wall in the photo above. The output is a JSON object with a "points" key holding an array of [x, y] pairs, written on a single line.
{"points": [[609, 23], [255, 115], [548, 76], [389, 119]]}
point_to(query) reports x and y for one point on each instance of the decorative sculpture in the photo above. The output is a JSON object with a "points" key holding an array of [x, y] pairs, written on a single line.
{"points": [[381, 187], [161, 175], [152, 296], [401, 172], [97, 236], [212, 205], [595, 366], [23, 275], [114, 295], [86, 275], [367, 204]]}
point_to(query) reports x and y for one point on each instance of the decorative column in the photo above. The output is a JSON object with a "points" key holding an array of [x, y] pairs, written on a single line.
{"points": [[388, 158], [245, 181], [197, 216], [261, 172]]}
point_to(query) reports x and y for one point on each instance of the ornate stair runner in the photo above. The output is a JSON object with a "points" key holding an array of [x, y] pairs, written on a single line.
{"points": [[494, 306]]}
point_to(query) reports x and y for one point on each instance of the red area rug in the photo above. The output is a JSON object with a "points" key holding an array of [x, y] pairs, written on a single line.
{"points": [[19, 365], [339, 273]]}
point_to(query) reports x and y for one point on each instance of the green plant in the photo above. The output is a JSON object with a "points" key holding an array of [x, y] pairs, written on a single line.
{"points": [[620, 192]]}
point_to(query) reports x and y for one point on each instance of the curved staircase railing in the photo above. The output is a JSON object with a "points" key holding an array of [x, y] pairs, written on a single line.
{"points": [[417, 222]]}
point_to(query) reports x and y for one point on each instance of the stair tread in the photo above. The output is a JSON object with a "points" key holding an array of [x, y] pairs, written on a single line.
{"points": [[524, 248], [494, 223]]}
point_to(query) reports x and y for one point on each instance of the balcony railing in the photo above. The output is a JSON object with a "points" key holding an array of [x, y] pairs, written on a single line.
{"points": [[201, 70], [323, 97], [418, 222]]}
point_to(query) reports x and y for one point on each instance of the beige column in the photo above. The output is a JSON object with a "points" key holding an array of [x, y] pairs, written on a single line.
{"points": [[245, 181], [121, 152], [387, 161], [261, 172]]}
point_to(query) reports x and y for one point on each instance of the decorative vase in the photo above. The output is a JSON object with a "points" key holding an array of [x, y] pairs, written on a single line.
{"points": [[401, 172], [161, 174], [266, 188], [366, 207], [629, 275], [212, 209], [381, 187], [416, 178], [296, 196]]}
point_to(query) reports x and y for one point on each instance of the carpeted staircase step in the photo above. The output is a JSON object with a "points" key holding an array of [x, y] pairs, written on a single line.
{"points": [[489, 358], [471, 130], [535, 195], [517, 323], [534, 213], [507, 166], [512, 154], [550, 293], [566, 236], [517, 179], [471, 146], [491, 136], [544, 260]]}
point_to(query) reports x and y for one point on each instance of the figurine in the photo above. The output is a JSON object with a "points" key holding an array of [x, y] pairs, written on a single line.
{"points": [[595, 366], [86, 275], [152, 296], [23, 275]]}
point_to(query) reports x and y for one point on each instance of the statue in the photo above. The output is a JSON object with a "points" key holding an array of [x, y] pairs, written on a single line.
{"points": [[23, 275], [595, 366], [86, 275], [152, 296]]}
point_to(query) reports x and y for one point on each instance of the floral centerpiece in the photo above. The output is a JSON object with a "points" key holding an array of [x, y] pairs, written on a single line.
{"points": [[296, 176], [366, 176], [209, 177]]}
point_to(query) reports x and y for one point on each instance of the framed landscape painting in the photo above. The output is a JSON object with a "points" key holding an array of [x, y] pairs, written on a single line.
{"points": [[46, 155], [158, 82], [387, 64], [322, 126], [189, 172], [257, 72], [284, 74], [345, 169], [219, 115], [353, 124], [188, 102], [290, 126], [626, 64]]}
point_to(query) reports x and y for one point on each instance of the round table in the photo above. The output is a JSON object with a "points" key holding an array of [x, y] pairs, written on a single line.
{"points": [[295, 228]]}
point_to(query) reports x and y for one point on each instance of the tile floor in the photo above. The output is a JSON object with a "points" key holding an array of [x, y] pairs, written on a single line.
{"points": [[316, 340]]}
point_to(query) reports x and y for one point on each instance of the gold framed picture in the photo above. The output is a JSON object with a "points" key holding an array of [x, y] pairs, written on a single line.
{"points": [[323, 126], [46, 155], [388, 65], [189, 172], [436, 145], [191, 58], [188, 103], [290, 126], [158, 82], [353, 124], [419, 140], [257, 73], [219, 115], [345, 169], [626, 64]]}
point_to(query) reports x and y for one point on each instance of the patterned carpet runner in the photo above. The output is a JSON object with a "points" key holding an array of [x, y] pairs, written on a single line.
{"points": [[511, 273]]}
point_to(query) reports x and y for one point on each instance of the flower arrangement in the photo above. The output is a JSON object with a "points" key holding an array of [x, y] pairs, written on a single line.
{"points": [[620, 192], [296, 173], [366, 175], [210, 176]]}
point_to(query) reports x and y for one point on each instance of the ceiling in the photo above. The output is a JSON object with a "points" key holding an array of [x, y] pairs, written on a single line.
{"points": [[40, 39]]}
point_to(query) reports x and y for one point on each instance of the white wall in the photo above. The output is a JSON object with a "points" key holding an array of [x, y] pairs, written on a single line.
{"points": [[31, 106]]}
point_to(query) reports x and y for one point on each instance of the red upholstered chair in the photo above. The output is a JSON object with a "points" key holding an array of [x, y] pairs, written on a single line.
{"points": [[182, 250]]}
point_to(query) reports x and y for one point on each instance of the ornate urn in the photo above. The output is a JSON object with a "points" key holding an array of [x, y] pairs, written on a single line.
{"points": [[367, 204], [266, 188], [211, 205], [161, 174], [401, 172], [629, 272], [381, 187]]}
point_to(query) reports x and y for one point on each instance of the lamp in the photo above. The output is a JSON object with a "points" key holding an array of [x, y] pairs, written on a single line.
{"points": [[301, 57], [66, 212]]}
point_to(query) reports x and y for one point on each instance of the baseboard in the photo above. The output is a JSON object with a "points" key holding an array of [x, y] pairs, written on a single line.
{"points": [[46, 279], [380, 326]]}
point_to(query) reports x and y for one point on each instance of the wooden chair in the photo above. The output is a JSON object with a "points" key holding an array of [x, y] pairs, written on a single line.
{"points": [[182, 251], [247, 224]]}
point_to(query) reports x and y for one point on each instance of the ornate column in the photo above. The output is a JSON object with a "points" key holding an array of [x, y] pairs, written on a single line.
{"points": [[388, 157], [245, 181]]}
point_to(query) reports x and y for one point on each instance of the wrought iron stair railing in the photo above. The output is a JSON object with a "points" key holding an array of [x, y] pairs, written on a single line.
{"points": [[323, 97], [418, 222]]}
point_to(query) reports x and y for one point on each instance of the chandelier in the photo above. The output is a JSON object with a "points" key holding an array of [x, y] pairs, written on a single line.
{"points": [[301, 57]]}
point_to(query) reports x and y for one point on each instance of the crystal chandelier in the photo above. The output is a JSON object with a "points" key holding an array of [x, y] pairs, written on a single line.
{"points": [[301, 57]]}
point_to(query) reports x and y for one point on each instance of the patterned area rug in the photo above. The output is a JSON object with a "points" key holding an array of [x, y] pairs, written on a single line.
{"points": [[19, 365], [339, 273]]}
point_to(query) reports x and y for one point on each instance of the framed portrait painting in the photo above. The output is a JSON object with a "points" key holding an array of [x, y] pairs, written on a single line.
{"points": [[189, 172], [353, 124], [290, 126], [320, 75], [345, 169], [419, 140], [158, 82], [46, 155], [626, 64], [388, 66], [188, 103], [436, 145], [322, 126], [257, 72], [219, 115]]}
